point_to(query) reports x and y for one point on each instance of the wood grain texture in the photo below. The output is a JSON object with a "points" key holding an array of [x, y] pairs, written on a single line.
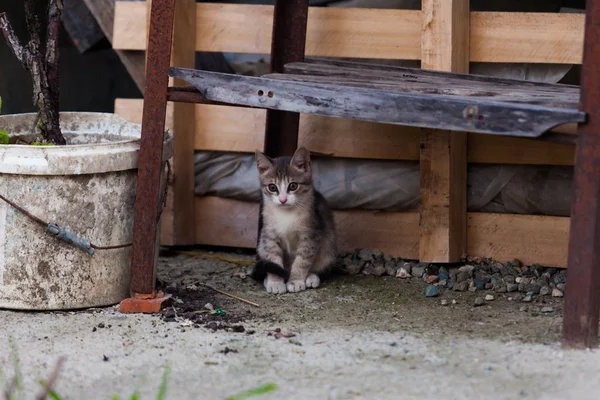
{"points": [[453, 110], [443, 158], [524, 37], [222, 128], [184, 128], [504, 237], [370, 33]]}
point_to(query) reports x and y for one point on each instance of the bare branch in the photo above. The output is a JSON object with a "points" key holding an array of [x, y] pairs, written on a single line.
{"points": [[55, 8], [13, 41], [33, 25]]}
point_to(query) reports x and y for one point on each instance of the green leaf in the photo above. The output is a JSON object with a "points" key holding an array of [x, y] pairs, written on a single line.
{"points": [[269, 387], [3, 137], [0, 104], [54, 395], [162, 390]]}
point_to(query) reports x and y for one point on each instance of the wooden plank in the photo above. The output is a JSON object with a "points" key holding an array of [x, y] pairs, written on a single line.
{"points": [[532, 239], [510, 37], [504, 237], [184, 128], [459, 113], [133, 61], [443, 159], [370, 33], [487, 89], [222, 128]]}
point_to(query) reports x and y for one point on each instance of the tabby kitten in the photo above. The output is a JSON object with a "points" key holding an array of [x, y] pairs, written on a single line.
{"points": [[296, 239]]}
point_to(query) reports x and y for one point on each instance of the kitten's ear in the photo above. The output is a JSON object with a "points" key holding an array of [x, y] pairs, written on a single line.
{"points": [[262, 163], [301, 160]]}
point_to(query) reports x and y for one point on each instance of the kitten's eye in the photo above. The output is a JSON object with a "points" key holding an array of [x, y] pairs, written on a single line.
{"points": [[272, 188], [293, 186]]}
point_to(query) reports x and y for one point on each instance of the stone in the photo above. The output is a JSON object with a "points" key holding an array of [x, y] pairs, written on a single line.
{"points": [[461, 286], [387, 258], [472, 287], [512, 287], [353, 269], [509, 279], [528, 298], [559, 278], [418, 271], [443, 274], [390, 271], [365, 255], [451, 283], [542, 281], [545, 291], [463, 276], [453, 272], [479, 284], [557, 293], [432, 291], [443, 283], [431, 279], [377, 254], [444, 302], [560, 286], [547, 310], [468, 269], [500, 288], [489, 286], [431, 269], [489, 297], [368, 269], [515, 263], [379, 270], [454, 301], [403, 273], [523, 309], [209, 306], [407, 267], [497, 267], [479, 301], [495, 278], [517, 297]]}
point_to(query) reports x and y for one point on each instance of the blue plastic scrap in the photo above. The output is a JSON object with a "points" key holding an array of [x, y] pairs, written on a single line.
{"points": [[71, 238]]}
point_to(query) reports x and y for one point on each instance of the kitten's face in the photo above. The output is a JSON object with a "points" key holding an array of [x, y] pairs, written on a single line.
{"points": [[286, 182]]}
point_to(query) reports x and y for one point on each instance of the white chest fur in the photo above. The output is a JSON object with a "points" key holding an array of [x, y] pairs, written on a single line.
{"points": [[286, 224]]}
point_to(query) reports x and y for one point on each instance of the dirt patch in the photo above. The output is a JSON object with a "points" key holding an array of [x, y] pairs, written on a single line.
{"points": [[357, 301]]}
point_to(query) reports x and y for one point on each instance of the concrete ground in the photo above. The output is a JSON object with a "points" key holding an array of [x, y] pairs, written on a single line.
{"points": [[356, 337]]}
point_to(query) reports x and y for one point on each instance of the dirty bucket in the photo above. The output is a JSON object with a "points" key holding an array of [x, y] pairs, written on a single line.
{"points": [[87, 189]]}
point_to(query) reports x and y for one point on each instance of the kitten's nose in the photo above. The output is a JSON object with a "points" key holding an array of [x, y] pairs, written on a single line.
{"points": [[283, 200]]}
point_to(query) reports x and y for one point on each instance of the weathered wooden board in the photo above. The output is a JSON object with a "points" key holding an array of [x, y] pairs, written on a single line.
{"points": [[222, 128], [529, 238], [458, 113], [411, 80], [370, 33]]}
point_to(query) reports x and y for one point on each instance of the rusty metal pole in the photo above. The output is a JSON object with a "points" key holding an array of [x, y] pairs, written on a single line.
{"points": [[143, 297], [288, 45], [582, 297]]}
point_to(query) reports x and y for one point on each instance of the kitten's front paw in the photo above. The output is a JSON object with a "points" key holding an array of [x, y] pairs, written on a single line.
{"points": [[313, 281], [296, 286], [275, 287]]}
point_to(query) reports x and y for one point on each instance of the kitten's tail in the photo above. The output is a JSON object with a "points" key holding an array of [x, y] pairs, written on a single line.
{"points": [[264, 267]]}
